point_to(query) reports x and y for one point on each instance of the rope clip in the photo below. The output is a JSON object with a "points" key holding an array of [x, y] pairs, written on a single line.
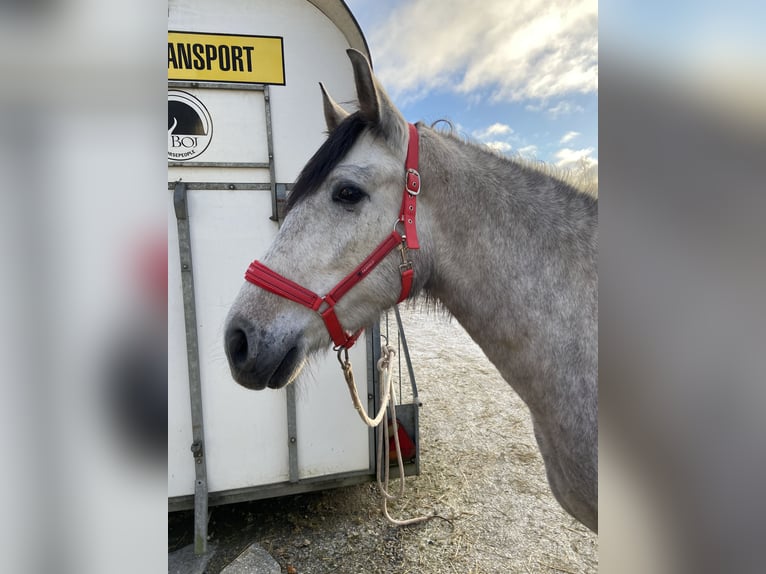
{"points": [[344, 363]]}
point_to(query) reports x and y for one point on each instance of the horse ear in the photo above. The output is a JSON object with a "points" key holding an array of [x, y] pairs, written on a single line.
{"points": [[374, 104], [366, 91], [333, 113]]}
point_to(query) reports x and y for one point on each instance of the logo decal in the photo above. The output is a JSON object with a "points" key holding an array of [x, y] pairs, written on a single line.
{"points": [[190, 127]]}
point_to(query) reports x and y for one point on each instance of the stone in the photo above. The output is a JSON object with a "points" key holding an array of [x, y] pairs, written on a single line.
{"points": [[254, 560]]}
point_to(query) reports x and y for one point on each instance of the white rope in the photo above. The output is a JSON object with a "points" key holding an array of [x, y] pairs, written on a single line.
{"points": [[387, 403], [348, 373]]}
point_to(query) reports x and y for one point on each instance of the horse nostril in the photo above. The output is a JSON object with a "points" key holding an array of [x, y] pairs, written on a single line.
{"points": [[236, 346]]}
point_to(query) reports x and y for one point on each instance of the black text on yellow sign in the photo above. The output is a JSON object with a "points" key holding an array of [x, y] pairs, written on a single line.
{"points": [[225, 58]]}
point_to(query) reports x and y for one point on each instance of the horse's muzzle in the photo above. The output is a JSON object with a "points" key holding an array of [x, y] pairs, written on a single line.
{"points": [[256, 362]]}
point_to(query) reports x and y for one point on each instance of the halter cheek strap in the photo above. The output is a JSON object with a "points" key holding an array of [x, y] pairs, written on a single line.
{"points": [[258, 274]]}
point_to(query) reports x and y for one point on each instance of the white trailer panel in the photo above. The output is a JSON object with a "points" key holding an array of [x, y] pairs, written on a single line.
{"points": [[230, 200]]}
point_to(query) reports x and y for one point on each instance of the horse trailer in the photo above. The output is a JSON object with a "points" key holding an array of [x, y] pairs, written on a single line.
{"points": [[244, 115]]}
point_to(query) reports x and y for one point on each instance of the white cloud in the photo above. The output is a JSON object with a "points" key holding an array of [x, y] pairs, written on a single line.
{"points": [[568, 137], [564, 108], [581, 165], [496, 129], [570, 158], [507, 50], [528, 151], [499, 146], [497, 137]]}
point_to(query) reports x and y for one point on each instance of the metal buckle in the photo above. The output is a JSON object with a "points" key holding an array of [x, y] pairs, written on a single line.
{"points": [[406, 263], [323, 306], [413, 182]]}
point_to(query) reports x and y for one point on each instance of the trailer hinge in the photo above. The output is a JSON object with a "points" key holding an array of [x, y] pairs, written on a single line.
{"points": [[197, 451]]}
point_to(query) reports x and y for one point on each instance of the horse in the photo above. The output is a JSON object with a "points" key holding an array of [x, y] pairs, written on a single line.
{"points": [[508, 249]]}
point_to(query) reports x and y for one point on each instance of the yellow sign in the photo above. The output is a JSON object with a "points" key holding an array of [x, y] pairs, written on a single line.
{"points": [[225, 58]]}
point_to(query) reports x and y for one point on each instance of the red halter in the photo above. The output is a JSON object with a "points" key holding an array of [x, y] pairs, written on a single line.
{"points": [[271, 281]]}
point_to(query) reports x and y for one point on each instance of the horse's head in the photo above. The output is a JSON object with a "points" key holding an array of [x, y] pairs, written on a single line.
{"points": [[344, 203]]}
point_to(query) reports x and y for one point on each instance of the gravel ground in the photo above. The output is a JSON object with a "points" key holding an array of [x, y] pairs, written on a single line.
{"points": [[480, 469]]}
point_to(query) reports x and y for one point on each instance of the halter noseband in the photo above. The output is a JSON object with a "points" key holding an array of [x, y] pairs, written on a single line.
{"points": [[271, 281]]}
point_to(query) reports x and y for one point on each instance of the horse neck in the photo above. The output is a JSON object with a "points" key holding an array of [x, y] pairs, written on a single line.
{"points": [[511, 251]]}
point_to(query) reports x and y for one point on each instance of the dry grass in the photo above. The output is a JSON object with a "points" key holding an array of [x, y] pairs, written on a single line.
{"points": [[480, 469]]}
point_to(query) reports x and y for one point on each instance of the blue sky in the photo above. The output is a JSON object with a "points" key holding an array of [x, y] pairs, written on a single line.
{"points": [[518, 75]]}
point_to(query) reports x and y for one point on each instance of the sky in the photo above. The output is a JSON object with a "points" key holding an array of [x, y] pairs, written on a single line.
{"points": [[520, 76]]}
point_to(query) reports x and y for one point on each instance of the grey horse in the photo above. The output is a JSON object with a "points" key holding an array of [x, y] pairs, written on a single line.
{"points": [[508, 249]]}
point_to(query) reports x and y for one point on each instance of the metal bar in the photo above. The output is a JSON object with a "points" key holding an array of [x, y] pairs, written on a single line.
{"points": [[416, 404], [270, 143], [281, 195], [373, 400], [399, 363], [292, 434], [373, 355], [192, 360], [209, 185], [216, 85], [240, 164], [313, 484], [416, 431], [407, 358]]}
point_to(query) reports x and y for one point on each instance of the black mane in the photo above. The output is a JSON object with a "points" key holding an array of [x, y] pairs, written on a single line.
{"points": [[333, 150]]}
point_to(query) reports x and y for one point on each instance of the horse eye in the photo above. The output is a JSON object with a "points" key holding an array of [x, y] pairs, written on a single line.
{"points": [[348, 194]]}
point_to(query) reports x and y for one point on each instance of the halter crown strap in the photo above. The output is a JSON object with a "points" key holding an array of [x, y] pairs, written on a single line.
{"points": [[412, 190], [258, 274]]}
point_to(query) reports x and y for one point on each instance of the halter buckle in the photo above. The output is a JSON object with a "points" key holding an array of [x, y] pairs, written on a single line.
{"points": [[406, 263], [413, 181]]}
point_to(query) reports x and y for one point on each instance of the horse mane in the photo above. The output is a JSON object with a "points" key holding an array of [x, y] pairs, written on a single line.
{"points": [[338, 143], [563, 176]]}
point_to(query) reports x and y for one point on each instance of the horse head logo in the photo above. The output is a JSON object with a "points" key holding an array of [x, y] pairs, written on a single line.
{"points": [[189, 126]]}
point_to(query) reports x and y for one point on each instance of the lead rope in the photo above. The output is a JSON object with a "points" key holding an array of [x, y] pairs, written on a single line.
{"points": [[388, 402]]}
